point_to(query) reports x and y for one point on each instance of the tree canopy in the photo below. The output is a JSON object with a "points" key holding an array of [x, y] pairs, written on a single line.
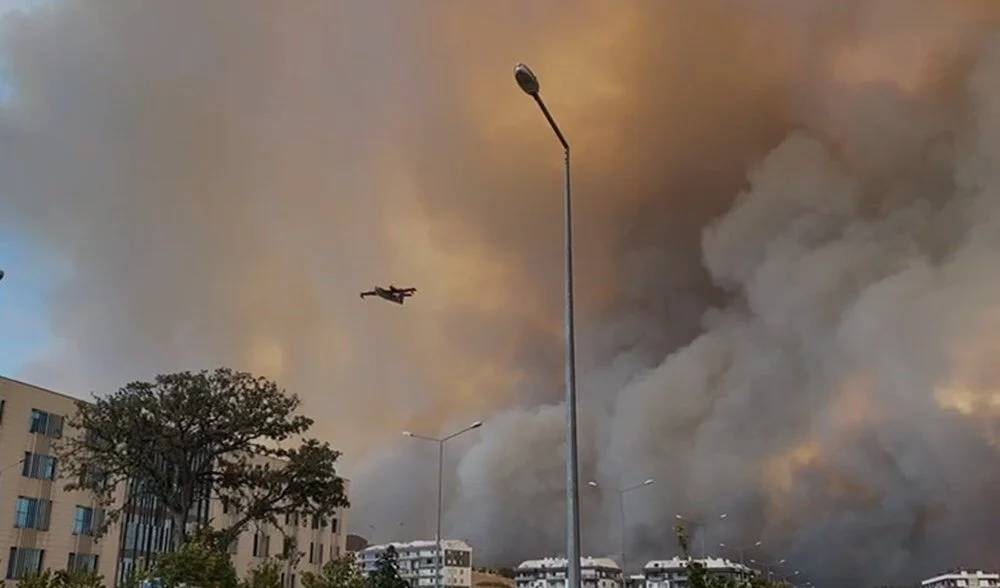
{"points": [[187, 437], [386, 574], [338, 573], [196, 563], [699, 577], [62, 579]]}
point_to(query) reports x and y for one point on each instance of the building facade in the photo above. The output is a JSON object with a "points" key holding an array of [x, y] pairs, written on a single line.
{"points": [[673, 573], [418, 562], [42, 526], [595, 572], [963, 579]]}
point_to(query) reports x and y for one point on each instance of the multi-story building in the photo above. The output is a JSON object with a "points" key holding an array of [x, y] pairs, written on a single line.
{"points": [[595, 572], [303, 544], [963, 579], [673, 573], [418, 562], [42, 526]]}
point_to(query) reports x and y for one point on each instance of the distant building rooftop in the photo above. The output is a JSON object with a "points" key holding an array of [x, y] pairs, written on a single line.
{"points": [[456, 544], [710, 563], [969, 579], [560, 562]]}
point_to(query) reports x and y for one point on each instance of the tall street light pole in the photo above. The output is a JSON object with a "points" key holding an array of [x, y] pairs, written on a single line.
{"points": [[440, 443], [528, 82], [621, 507], [701, 526]]}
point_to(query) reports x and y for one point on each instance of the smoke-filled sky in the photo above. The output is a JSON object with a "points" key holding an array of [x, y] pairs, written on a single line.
{"points": [[787, 223]]}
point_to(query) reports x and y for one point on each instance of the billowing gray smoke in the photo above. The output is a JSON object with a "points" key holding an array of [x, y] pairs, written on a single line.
{"points": [[787, 217]]}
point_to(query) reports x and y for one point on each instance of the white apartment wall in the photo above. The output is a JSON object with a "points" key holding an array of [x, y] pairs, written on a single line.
{"points": [[551, 573], [963, 579], [417, 562]]}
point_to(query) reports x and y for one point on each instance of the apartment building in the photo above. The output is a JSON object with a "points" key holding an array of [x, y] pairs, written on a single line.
{"points": [[42, 526], [673, 573], [550, 572], [963, 579], [418, 562], [302, 544]]}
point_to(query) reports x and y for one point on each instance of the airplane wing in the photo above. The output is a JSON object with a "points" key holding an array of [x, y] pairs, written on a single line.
{"points": [[369, 293]]}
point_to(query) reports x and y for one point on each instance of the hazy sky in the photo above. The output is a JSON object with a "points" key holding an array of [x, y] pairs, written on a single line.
{"points": [[787, 223]]}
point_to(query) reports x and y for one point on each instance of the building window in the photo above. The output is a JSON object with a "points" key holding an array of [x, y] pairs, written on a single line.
{"points": [[315, 522], [2, 404], [38, 466], [45, 423], [333, 526], [312, 552], [32, 513], [261, 545], [83, 521], [82, 562], [319, 554], [24, 561]]}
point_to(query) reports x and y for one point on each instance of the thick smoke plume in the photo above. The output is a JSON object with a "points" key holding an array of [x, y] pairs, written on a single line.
{"points": [[788, 221]]}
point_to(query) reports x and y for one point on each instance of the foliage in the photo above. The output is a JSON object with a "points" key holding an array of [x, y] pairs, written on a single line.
{"points": [[198, 562], [266, 575], [337, 573], [698, 576], [182, 434], [386, 574], [62, 579]]}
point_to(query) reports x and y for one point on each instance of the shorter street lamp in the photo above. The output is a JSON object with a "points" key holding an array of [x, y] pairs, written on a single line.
{"points": [[741, 550], [701, 525], [440, 443], [621, 507]]}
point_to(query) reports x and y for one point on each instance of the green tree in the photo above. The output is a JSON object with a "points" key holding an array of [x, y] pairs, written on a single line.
{"points": [[386, 574], [198, 562], [182, 434], [265, 575], [338, 573], [62, 579], [699, 577]]}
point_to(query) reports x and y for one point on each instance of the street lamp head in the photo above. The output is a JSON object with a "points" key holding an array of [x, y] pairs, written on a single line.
{"points": [[722, 545], [648, 482], [678, 517], [476, 425], [757, 544], [723, 516], [592, 484], [407, 434], [526, 79]]}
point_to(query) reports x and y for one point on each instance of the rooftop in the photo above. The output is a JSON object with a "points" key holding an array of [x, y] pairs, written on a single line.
{"points": [[962, 575], [710, 563], [560, 562], [456, 544]]}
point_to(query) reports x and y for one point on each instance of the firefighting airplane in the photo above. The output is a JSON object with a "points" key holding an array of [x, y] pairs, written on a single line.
{"points": [[392, 293]]}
